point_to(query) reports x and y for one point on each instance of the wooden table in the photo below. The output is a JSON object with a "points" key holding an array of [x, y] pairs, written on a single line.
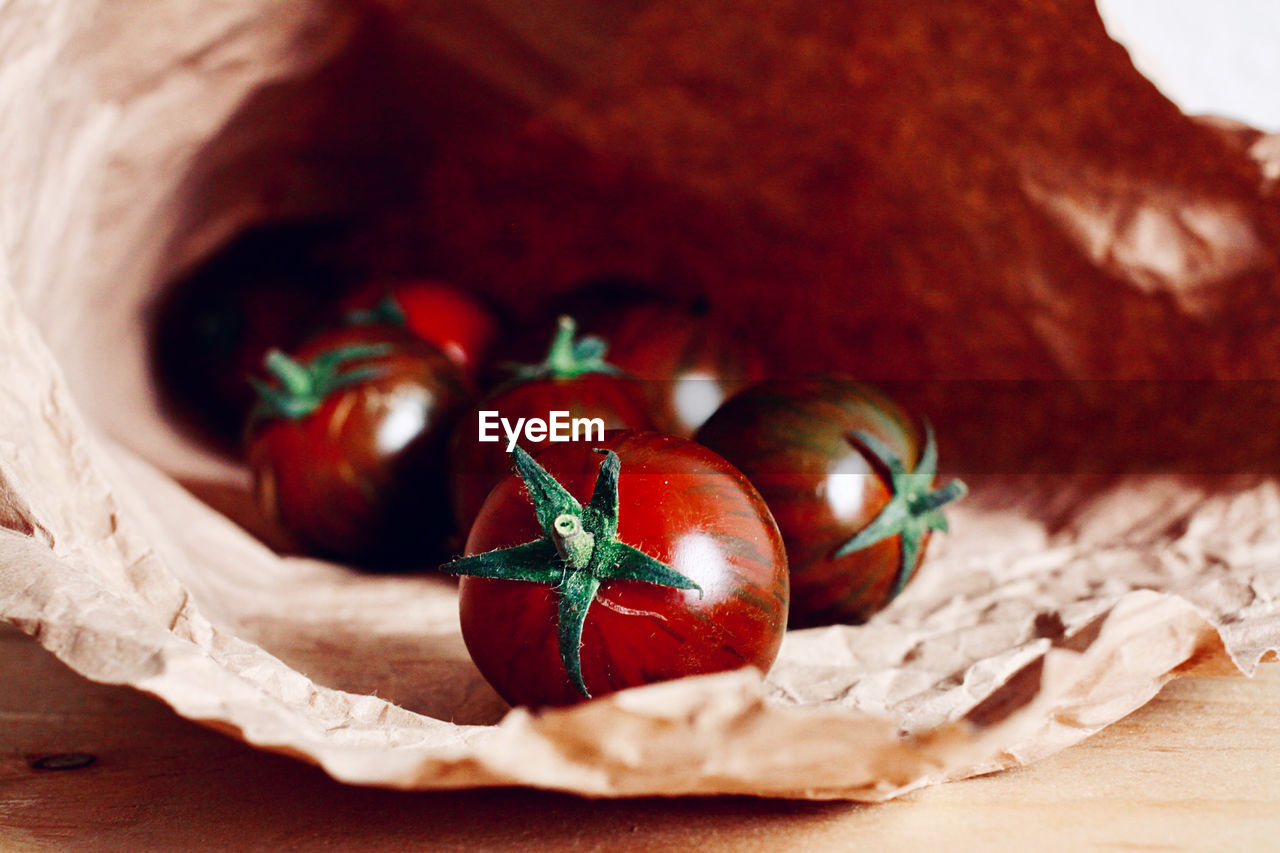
{"points": [[1198, 768]]}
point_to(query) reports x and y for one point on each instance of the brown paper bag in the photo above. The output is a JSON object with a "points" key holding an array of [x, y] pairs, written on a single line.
{"points": [[985, 205]]}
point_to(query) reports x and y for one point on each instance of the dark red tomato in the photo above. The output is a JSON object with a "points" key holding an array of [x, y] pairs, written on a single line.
{"points": [[587, 304], [688, 364], [573, 379], [849, 478], [603, 566], [348, 444], [438, 312]]}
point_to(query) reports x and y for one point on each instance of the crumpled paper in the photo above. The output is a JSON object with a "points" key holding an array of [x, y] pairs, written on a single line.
{"points": [[980, 202]]}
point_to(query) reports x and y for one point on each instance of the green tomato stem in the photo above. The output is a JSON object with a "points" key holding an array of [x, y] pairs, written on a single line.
{"points": [[560, 358], [912, 511], [578, 552], [568, 357], [952, 491], [386, 311], [574, 544], [302, 388], [293, 376]]}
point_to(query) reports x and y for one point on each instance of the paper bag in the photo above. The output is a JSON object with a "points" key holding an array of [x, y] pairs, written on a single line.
{"points": [[983, 206]]}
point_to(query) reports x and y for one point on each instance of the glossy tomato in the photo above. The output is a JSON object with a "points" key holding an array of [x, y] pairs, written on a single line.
{"points": [[438, 312], [603, 566], [347, 445], [849, 478], [688, 364], [574, 379]]}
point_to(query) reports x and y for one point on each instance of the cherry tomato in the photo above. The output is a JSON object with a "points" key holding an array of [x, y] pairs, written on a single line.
{"points": [[603, 566], [587, 305], [574, 378], [686, 361], [347, 445], [849, 478], [438, 312], [688, 364]]}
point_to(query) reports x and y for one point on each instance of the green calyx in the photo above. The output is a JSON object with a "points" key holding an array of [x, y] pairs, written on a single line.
{"points": [[914, 509], [579, 551], [569, 356], [300, 387], [385, 312]]}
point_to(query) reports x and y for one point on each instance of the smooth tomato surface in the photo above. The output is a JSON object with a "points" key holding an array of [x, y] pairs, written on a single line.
{"points": [[686, 362], [440, 313], [792, 441], [362, 477], [476, 467], [680, 504]]}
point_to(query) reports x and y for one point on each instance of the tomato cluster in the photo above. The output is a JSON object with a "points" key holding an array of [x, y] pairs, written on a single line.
{"points": [[703, 510]]}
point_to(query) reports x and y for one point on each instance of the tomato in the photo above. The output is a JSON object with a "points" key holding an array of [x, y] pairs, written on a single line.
{"points": [[574, 378], [603, 566], [688, 364], [347, 446], [849, 478], [438, 312], [685, 359], [588, 305]]}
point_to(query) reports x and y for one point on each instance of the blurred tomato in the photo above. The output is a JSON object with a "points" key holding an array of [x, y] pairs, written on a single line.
{"points": [[347, 444], [438, 312], [688, 364]]}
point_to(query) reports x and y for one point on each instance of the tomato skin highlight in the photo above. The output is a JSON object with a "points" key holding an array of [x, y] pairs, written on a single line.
{"points": [[686, 362], [680, 504], [792, 440], [438, 312], [361, 478]]}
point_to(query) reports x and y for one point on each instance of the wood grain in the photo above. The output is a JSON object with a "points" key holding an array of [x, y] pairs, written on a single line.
{"points": [[1197, 769]]}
